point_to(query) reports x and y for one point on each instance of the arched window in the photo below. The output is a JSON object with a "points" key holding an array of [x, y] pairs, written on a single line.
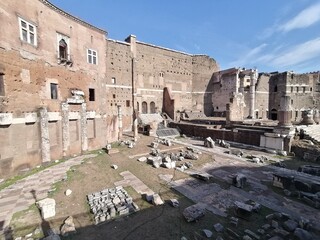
{"points": [[138, 107], [275, 88], [144, 107], [152, 107], [274, 114], [63, 49]]}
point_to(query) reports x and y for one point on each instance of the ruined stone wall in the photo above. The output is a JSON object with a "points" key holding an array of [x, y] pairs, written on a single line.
{"points": [[262, 97], [33, 125], [224, 84], [251, 137], [301, 88], [119, 83], [159, 68], [202, 87]]}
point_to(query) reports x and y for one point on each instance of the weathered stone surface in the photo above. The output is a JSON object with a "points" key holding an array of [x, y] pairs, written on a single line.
{"points": [[174, 202], [208, 233], [142, 159], [252, 234], [194, 212], [68, 192], [218, 227], [302, 234], [47, 207], [240, 180], [246, 237], [209, 143], [290, 225], [243, 210], [68, 227], [156, 199]]}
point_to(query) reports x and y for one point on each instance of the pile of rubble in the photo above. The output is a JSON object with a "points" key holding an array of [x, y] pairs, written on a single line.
{"points": [[169, 160], [210, 143], [128, 143], [110, 203]]}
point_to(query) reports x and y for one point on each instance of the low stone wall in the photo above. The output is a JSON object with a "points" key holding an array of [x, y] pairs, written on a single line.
{"points": [[245, 136], [305, 151]]}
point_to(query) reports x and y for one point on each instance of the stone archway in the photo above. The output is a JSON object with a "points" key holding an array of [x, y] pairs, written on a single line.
{"points": [[274, 114], [144, 107], [152, 107]]}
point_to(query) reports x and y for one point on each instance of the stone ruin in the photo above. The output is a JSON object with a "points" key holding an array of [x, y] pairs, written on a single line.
{"points": [[110, 203], [306, 190]]}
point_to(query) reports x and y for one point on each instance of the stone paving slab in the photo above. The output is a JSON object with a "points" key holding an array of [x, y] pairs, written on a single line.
{"points": [[18, 196], [134, 182]]}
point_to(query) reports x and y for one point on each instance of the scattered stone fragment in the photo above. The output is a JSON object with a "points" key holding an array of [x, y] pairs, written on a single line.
{"points": [[174, 202], [142, 159], [232, 233], [243, 210], [266, 226], [184, 238], [218, 227], [274, 224], [219, 238], [261, 231], [234, 221], [47, 207], [156, 199], [302, 234], [68, 192], [240, 180], [68, 227], [252, 234], [209, 143], [281, 232], [256, 207], [246, 237], [290, 225], [194, 212], [114, 166], [208, 233], [275, 238]]}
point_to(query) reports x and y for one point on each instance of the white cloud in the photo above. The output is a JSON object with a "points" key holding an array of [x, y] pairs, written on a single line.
{"points": [[298, 54], [249, 57], [304, 19]]}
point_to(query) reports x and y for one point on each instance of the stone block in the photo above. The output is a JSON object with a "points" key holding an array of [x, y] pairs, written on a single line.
{"points": [[30, 117], [6, 118], [47, 207]]}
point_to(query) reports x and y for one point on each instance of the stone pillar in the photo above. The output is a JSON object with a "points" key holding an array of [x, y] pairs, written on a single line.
{"points": [[252, 93], [316, 116], [45, 139], [132, 40], [65, 128], [84, 133], [284, 114], [241, 76], [120, 122]]}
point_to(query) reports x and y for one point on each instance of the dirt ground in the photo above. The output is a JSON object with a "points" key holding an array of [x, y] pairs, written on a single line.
{"points": [[151, 222]]}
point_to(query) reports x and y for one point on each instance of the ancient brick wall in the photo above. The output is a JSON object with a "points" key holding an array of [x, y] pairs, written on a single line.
{"points": [[246, 136]]}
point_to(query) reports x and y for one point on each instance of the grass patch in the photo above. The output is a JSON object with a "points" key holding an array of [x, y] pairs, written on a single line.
{"points": [[19, 227]]}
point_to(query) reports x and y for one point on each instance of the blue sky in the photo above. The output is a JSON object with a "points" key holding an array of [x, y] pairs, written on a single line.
{"points": [[271, 35]]}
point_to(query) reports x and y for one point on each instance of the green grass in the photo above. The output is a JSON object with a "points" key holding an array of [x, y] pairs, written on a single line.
{"points": [[20, 229]]}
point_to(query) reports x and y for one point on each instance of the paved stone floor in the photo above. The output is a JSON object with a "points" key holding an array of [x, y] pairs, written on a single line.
{"points": [[27, 191], [218, 200], [133, 181]]}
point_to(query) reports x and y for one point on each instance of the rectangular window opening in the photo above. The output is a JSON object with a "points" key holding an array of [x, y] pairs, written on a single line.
{"points": [[128, 103], [113, 80], [92, 56], [28, 32], [54, 90], [91, 94]]}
